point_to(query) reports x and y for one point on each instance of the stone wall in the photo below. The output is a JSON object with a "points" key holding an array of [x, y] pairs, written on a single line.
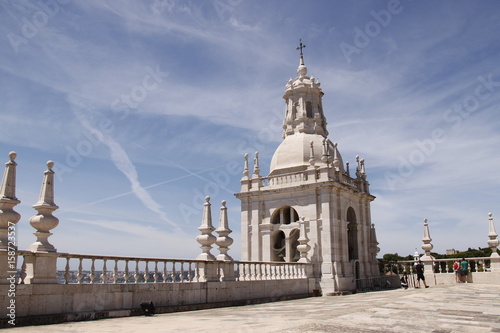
{"points": [[51, 303]]}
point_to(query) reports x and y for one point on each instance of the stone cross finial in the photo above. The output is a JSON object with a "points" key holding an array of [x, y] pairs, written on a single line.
{"points": [[206, 239], [8, 216], [427, 246], [493, 242], [300, 47], [44, 221], [223, 241]]}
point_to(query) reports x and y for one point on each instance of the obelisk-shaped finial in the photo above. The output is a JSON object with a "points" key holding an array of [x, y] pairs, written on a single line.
{"points": [[44, 221], [223, 241], [8, 216], [206, 239]]}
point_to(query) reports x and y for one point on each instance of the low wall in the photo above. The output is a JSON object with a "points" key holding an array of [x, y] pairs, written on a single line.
{"points": [[52, 303]]}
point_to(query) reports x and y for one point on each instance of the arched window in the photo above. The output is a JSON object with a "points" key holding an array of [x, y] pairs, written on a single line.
{"points": [[309, 110], [285, 215], [352, 234]]}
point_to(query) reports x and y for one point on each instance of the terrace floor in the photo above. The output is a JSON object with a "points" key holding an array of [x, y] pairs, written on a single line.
{"points": [[451, 308]]}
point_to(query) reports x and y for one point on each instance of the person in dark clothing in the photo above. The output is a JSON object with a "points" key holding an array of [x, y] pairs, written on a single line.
{"points": [[420, 273], [404, 281]]}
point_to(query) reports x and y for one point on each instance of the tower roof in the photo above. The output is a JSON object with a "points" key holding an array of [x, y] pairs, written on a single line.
{"points": [[304, 123]]}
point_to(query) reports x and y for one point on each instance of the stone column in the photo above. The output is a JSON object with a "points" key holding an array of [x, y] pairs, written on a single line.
{"points": [[41, 267], [8, 219]]}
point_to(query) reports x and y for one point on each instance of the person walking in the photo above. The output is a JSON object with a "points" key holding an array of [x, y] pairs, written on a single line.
{"points": [[464, 267], [457, 270], [420, 273]]}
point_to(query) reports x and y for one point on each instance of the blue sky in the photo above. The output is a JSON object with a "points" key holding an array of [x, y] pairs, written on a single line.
{"points": [[148, 106]]}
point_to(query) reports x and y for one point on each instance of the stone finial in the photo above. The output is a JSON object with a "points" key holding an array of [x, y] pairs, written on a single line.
{"points": [[427, 246], [256, 169], [374, 249], [347, 169], [44, 221], [326, 152], [493, 242], [362, 171], [206, 239], [416, 255], [336, 160], [245, 167], [312, 161], [358, 167], [303, 246], [8, 216], [223, 241]]}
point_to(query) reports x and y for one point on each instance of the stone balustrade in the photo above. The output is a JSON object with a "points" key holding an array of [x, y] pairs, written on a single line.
{"points": [[439, 266], [98, 269]]}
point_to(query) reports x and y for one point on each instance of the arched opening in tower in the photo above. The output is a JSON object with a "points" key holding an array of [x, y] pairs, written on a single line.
{"points": [[352, 234]]}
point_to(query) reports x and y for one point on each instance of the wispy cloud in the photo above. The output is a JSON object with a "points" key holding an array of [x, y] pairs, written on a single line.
{"points": [[123, 163]]}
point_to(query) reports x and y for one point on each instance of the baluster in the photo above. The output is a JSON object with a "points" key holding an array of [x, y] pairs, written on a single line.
{"points": [[258, 271], [115, 271], [23, 273], [67, 275], [165, 273], [104, 275], [241, 270], [250, 272], [136, 275], [146, 272], [92, 271], [155, 276], [196, 272], [174, 272], [182, 271], [190, 274], [79, 276], [127, 275]]}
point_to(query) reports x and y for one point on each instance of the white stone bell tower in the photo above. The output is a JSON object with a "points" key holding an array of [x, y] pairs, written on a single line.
{"points": [[309, 189]]}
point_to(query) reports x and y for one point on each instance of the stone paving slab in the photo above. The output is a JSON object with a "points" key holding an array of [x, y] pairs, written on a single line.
{"points": [[439, 309]]}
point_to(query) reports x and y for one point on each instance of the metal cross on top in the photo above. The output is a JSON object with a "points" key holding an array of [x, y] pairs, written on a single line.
{"points": [[300, 47]]}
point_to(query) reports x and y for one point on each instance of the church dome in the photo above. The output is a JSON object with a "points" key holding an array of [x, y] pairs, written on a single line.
{"points": [[294, 152]]}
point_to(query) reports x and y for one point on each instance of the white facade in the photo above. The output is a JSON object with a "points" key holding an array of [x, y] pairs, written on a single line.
{"points": [[308, 183]]}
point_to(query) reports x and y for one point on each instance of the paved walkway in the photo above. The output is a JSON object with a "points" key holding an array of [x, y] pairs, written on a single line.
{"points": [[456, 308]]}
